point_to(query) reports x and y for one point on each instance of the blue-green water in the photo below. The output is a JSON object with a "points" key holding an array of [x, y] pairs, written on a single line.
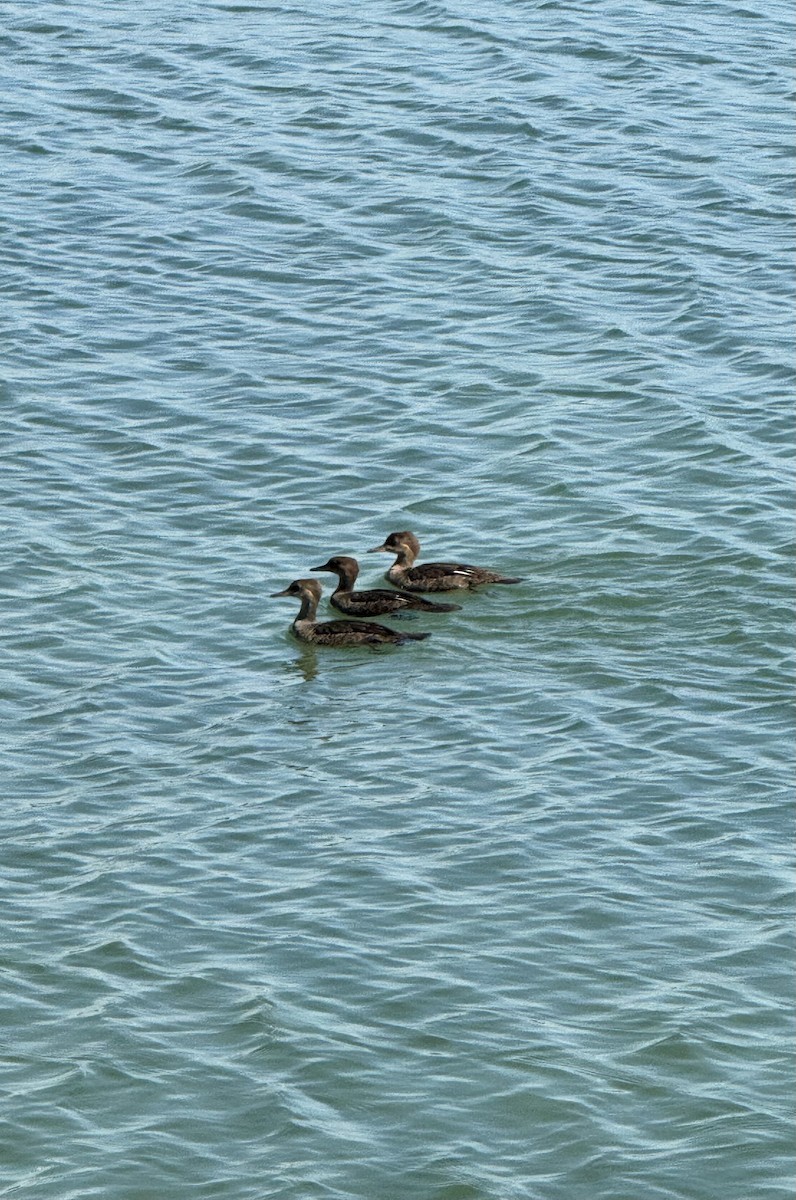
{"points": [[503, 915]]}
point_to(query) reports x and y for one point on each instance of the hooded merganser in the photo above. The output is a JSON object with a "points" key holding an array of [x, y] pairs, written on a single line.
{"points": [[338, 633], [432, 577], [376, 601]]}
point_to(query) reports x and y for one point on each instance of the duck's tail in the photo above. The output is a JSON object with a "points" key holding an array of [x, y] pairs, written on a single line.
{"points": [[510, 579], [414, 637]]}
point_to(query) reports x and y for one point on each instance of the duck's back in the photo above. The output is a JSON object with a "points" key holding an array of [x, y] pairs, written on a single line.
{"points": [[447, 577], [352, 633], [378, 601], [437, 577]]}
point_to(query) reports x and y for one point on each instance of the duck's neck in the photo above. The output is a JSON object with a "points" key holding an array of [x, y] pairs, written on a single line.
{"points": [[346, 578], [309, 607], [406, 556]]}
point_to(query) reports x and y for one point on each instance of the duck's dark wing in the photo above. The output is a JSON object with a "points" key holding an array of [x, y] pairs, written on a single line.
{"points": [[441, 570], [379, 602], [398, 600], [361, 633], [380, 596], [365, 628], [467, 574]]}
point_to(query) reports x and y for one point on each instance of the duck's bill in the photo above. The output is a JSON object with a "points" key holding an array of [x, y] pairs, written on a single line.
{"points": [[325, 567], [285, 592], [376, 549]]}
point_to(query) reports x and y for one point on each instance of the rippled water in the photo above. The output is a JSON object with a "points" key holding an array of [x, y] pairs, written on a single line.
{"points": [[501, 915]]}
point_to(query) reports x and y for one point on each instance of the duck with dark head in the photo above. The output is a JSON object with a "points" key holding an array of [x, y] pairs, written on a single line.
{"points": [[433, 576], [375, 601], [338, 633]]}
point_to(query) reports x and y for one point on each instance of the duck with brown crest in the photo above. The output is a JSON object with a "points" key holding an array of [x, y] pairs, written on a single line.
{"points": [[434, 576], [375, 601], [338, 633]]}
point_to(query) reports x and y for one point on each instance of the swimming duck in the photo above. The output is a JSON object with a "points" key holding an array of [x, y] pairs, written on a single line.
{"points": [[338, 633], [432, 577], [376, 601]]}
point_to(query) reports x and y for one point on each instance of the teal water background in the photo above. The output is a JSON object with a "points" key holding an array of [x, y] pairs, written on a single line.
{"points": [[503, 915]]}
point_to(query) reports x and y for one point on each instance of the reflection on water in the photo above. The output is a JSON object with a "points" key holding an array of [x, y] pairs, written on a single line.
{"points": [[306, 663]]}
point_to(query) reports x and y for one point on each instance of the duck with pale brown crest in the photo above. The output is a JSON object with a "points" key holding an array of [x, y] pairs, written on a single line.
{"points": [[433, 576], [375, 601], [338, 633]]}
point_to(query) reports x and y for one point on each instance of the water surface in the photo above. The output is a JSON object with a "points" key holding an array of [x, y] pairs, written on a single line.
{"points": [[503, 915]]}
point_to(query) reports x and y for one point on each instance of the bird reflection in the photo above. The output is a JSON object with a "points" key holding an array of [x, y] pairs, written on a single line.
{"points": [[306, 663]]}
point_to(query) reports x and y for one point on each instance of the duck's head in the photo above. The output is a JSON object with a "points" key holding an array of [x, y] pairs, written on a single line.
{"points": [[395, 542], [339, 565], [302, 587]]}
